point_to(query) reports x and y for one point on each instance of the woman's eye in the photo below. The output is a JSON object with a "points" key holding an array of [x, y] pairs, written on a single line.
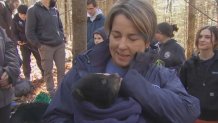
{"points": [[116, 36], [207, 37], [134, 38]]}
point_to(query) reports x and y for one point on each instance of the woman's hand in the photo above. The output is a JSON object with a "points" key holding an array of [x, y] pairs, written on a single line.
{"points": [[4, 82]]}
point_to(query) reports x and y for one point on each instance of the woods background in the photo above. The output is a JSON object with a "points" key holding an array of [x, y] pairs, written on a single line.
{"points": [[189, 15]]}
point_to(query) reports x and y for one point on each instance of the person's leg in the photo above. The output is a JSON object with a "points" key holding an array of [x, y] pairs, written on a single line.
{"points": [[5, 114], [59, 58], [36, 54], [26, 53], [46, 54]]}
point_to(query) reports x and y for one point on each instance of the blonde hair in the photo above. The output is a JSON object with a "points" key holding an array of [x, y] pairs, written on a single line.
{"points": [[140, 12]]}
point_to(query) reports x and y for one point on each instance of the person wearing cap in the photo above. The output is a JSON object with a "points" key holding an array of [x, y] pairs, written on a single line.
{"points": [[170, 52], [18, 28], [100, 35]]}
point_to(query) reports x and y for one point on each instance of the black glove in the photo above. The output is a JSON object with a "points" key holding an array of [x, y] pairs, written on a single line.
{"points": [[141, 62]]}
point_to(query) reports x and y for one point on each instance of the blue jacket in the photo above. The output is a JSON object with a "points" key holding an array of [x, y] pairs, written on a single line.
{"points": [[91, 27], [160, 93]]}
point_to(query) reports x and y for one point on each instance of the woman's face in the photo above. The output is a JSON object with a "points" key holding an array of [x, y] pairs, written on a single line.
{"points": [[160, 37], [206, 40], [98, 38], [125, 41]]}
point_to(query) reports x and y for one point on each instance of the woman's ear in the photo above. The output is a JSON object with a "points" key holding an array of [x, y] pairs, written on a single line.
{"points": [[147, 44]]}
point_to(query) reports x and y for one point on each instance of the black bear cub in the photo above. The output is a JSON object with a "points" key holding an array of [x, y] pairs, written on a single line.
{"points": [[29, 113], [98, 88]]}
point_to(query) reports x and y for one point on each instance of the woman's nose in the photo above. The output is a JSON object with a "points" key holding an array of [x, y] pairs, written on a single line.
{"points": [[123, 43]]}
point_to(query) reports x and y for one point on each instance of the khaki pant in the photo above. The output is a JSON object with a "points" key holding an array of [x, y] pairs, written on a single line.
{"points": [[48, 55]]}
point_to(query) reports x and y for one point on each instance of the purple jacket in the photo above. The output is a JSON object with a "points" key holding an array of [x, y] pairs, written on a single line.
{"points": [[160, 94]]}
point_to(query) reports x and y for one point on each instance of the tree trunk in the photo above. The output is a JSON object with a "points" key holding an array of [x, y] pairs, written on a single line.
{"points": [[66, 16], [191, 29], [79, 19], [217, 11]]}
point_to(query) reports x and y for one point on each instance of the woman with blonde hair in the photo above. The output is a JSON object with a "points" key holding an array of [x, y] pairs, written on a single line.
{"points": [[148, 94]]}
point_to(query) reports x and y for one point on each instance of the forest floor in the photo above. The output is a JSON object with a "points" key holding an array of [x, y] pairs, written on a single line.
{"points": [[38, 83]]}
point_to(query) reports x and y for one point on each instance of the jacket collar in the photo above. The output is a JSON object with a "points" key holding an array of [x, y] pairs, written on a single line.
{"points": [[87, 62], [195, 57], [170, 41], [96, 59], [98, 17]]}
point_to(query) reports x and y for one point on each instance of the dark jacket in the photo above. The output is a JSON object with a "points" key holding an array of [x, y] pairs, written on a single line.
{"points": [[18, 28], [91, 27], [160, 93], [9, 63], [202, 81], [43, 26], [172, 54], [6, 18]]}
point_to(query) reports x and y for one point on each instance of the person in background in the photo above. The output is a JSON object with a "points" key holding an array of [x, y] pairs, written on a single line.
{"points": [[199, 74], [9, 72], [170, 52], [7, 9], [44, 30], [100, 35], [95, 20], [148, 93], [18, 28]]}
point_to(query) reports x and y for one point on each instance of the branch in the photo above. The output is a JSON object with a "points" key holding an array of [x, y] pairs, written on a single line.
{"points": [[201, 11]]}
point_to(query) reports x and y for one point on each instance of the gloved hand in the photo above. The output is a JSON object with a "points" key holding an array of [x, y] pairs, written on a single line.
{"points": [[141, 62]]}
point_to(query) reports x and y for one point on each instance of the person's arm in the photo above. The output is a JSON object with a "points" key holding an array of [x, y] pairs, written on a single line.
{"points": [[3, 23], [60, 23], [60, 109], [11, 60], [169, 103], [15, 32], [30, 28], [183, 75], [179, 58]]}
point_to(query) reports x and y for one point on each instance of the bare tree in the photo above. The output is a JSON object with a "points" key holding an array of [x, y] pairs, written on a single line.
{"points": [[217, 10], [79, 19], [66, 15], [191, 29]]}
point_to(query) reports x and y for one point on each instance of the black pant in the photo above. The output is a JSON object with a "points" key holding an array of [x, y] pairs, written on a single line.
{"points": [[5, 114], [26, 51]]}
